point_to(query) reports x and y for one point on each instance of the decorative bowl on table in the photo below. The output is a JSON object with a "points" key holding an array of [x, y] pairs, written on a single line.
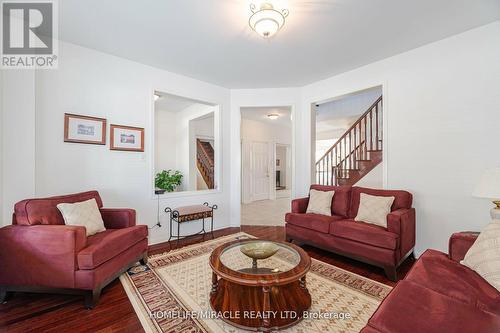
{"points": [[259, 249]]}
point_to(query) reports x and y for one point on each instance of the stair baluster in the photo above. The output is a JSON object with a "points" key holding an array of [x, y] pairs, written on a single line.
{"points": [[352, 156]]}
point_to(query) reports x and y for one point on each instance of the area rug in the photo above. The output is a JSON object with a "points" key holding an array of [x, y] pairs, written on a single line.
{"points": [[171, 293]]}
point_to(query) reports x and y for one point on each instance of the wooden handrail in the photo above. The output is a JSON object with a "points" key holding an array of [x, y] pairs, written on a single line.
{"points": [[350, 129], [205, 164], [357, 144]]}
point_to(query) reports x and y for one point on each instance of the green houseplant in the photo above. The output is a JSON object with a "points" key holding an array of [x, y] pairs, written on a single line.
{"points": [[168, 180]]}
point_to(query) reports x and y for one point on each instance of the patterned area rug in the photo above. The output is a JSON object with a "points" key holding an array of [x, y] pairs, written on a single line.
{"points": [[171, 294]]}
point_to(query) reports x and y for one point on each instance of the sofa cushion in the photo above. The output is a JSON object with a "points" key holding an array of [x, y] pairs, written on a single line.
{"points": [[85, 214], [434, 270], [107, 244], [411, 308], [44, 210], [483, 256], [402, 199], [314, 222], [320, 202], [341, 199], [374, 209], [364, 233]]}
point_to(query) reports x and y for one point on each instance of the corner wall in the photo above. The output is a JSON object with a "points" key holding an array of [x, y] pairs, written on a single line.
{"points": [[441, 103], [18, 139], [97, 84]]}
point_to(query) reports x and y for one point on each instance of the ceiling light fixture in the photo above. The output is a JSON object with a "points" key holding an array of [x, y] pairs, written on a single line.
{"points": [[156, 97], [273, 116], [267, 21]]}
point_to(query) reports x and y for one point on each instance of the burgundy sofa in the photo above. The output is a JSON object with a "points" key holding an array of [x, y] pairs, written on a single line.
{"points": [[41, 254], [439, 295], [339, 233]]}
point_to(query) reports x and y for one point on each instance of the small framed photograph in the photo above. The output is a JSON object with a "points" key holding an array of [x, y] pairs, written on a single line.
{"points": [[84, 129], [126, 138], [277, 162]]}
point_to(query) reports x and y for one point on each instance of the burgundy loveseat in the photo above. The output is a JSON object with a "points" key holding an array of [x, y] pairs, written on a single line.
{"points": [[41, 254], [439, 295], [339, 233]]}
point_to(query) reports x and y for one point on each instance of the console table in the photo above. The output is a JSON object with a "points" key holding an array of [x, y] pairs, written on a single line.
{"points": [[190, 213]]}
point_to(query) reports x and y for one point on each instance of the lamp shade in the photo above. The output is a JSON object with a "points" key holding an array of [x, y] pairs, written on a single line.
{"points": [[489, 185]]}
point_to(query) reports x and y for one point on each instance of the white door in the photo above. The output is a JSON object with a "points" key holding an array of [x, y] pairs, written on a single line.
{"points": [[260, 171]]}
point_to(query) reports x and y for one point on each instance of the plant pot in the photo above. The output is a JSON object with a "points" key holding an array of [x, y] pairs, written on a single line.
{"points": [[159, 191]]}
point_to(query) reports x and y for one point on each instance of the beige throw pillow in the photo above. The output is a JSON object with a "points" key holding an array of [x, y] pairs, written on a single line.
{"points": [[85, 213], [320, 202], [374, 209], [483, 256]]}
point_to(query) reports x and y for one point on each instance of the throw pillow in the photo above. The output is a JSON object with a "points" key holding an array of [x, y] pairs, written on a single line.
{"points": [[85, 213], [374, 209], [320, 202], [483, 256]]}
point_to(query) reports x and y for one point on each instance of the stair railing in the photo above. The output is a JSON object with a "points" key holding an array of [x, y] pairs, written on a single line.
{"points": [[205, 164], [355, 145]]}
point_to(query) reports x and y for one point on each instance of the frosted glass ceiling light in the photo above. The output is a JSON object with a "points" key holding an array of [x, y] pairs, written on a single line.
{"points": [[273, 116], [267, 21]]}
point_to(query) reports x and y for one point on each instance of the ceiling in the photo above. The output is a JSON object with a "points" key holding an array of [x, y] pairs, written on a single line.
{"points": [[173, 103], [260, 114], [210, 40]]}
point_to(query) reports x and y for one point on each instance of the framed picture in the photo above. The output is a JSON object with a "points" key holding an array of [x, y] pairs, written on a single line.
{"points": [[126, 138], [84, 129], [277, 162]]}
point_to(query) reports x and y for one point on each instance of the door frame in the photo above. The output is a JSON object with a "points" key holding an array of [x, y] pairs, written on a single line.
{"points": [[311, 102]]}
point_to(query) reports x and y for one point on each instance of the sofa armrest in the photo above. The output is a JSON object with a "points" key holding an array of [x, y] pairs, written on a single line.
{"points": [[402, 222], [40, 255], [300, 205], [118, 218], [459, 244]]}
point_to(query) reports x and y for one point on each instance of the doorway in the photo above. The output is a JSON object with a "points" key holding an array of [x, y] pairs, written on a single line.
{"points": [[266, 164]]}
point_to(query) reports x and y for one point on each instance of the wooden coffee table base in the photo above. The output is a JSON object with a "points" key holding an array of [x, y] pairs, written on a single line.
{"points": [[258, 308]]}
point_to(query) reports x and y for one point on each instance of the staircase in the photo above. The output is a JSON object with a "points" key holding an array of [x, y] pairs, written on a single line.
{"points": [[356, 153], [205, 161]]}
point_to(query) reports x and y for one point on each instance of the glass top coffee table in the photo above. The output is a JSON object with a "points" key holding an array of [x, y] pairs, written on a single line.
{"points": [[260, 285]]}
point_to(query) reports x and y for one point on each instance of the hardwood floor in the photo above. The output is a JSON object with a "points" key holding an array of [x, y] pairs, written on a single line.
{"points": [[64, 313]]}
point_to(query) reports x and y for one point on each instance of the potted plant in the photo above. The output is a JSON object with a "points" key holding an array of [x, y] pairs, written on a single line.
{"points": [[167, 180]]}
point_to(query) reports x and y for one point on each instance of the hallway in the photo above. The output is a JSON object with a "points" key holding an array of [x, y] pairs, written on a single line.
{"points": [[265, 212]]}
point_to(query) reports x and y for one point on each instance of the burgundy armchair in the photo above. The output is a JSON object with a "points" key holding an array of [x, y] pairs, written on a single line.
{"points": [[41, 254]]}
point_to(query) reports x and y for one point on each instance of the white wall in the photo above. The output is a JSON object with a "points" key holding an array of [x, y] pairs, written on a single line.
{"points": [[373, 179], [253, 130], [18, 139], [165, 151], [441, 103], [93, 83]]}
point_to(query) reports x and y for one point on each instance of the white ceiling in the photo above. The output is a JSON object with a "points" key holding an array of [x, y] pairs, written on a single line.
{"points": [[174, 103], [171, 103], [260, 114], [210, 39]]}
